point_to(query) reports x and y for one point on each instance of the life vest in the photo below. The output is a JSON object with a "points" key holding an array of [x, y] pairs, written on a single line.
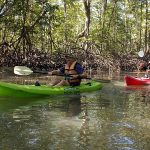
{"points": [[71, 71]]}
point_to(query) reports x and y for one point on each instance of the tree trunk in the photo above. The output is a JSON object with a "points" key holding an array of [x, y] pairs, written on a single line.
{"points": [[140, 46], [146, 28], [65, 31], [85, 32]]}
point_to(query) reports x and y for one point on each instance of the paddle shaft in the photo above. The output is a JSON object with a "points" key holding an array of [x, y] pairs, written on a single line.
{"points": [[46, 72], [23, 70]]}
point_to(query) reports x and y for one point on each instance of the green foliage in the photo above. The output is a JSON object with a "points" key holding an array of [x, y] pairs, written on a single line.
{"points": [[117, 28]]}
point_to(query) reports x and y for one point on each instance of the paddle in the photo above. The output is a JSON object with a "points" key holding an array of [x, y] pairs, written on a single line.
{"points": [[141, 53], [23, 70], [99, 80]]}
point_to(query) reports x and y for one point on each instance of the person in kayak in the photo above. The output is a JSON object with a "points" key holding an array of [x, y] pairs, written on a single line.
{"points": [[147, 75], [142, 66], [72, 71], [145, 66]]}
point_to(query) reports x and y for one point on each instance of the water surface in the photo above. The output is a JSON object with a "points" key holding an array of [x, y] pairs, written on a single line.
{"points": [[114, 118]]}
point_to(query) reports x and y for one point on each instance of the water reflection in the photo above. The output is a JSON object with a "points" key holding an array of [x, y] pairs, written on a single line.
{"points": [[114, 118], [10, 103], [142, 91], [74, 106]]}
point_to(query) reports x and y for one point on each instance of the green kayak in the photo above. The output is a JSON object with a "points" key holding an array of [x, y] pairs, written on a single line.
{"points": [[18, 90]]}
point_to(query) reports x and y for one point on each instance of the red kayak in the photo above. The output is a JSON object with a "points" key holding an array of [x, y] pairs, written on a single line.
{"points": [[136, 81]]}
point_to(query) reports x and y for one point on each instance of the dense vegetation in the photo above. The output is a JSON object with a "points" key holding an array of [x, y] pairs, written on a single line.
{"points": [[101, 32]]}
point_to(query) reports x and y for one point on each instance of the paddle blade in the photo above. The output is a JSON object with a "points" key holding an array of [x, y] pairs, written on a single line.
{"points": [[141, 53], [22, 70]]}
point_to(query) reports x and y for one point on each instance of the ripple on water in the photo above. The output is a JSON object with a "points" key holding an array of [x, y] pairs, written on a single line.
{"points": [[121, 142], [123, 124]]}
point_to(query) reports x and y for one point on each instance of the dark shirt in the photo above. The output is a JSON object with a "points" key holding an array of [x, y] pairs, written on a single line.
{"points": [[143, 67], [78, 68]]}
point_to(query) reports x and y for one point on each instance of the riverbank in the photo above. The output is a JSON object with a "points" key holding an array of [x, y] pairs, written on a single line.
{"points": [[38, 59]]}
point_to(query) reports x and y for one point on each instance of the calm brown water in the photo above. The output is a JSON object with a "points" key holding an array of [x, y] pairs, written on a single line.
{"points": [[115, 118]]}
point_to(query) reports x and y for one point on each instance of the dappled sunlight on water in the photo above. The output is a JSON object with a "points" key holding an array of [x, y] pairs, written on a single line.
{"points": [[115, 118], [119, 83]]}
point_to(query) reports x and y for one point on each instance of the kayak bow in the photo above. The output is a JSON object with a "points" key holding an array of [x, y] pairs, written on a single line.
{"points": [[129, 80]]}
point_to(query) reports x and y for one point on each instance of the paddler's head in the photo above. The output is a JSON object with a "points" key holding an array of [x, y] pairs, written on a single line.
{"points": [[70, 58]]}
